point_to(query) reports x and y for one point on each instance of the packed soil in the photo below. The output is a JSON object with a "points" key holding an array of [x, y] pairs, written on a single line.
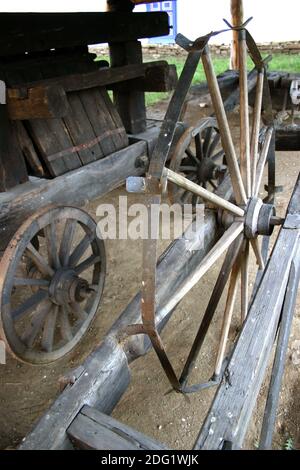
{"points": [[27, 391]]}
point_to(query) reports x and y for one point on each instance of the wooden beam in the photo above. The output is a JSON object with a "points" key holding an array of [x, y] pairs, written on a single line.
{"points": [[93, 430], [160, 78], [237, 16], [29, 32], [41, 102], [160, 73], [236, 397]]}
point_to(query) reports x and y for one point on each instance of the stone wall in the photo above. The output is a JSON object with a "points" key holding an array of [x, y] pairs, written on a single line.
{"points": [[157, 51]]}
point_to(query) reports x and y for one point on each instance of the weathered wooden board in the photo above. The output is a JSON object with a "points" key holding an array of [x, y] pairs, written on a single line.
{"points": [[235, 399], [12, 165], [28, 150], [38, 102], [20, 32], [93, 430], [157, 76]]}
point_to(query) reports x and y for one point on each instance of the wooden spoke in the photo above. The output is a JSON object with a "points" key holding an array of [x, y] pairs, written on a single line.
{"points": [[199, 148], [256, 126], [187, 168], [29, 305], [39, 261], [218, 155], [207, 141], [20, 281], [262, 160], [49, 329], [50, 234], [80, 313], [65, 326], [244, 115], [257, 252], [245, 281], [66, 242], [191, 155], [206, 195], [231, 296], [213, 184], [80, 250], [31, 332], [214, 254], [226, 138], [87, 263], [213, 145]]}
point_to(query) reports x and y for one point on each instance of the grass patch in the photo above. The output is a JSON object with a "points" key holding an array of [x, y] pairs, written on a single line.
{"points": [[280, 62]]}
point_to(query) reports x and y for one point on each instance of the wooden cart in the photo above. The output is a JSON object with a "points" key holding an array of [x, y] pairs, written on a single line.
{"points": [[122, 147]]}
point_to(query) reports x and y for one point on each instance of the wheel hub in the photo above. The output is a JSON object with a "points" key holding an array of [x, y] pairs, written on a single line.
{"points": [[258, 218], [67, 287]]}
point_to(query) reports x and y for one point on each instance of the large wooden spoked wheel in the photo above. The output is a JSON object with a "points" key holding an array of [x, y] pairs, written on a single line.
{"points": [[198, 155], [52, 278], [245, 218]]}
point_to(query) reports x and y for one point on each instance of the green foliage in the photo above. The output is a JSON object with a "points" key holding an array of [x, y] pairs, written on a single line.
{"points": [[280, 62], [288, 444]]}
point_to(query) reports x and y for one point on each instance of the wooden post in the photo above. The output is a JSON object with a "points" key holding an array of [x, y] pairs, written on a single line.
{"points": [[12, 165], [237, 16], [130, 104]]}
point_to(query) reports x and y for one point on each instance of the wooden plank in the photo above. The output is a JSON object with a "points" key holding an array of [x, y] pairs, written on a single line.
{"points": [[29, 151], [12, 165], [77, 121], [81, 131], [96, 112], [38, 102], [93, 430], [235, 399], [78, 186], [120, 138], [93, 387], [21, 32]]}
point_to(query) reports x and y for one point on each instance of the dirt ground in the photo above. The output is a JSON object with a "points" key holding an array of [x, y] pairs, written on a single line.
{"points": [[26, 391]]}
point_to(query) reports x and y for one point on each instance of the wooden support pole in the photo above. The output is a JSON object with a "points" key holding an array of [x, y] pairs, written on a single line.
{"points": [[130, 103], [12, 164], [237, 16]]}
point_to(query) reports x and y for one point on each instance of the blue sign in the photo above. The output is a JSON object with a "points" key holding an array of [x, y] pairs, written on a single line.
{"points": [[170, 8]]}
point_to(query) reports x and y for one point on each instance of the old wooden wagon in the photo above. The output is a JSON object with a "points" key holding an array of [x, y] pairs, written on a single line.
{"points": [[64, 142]]}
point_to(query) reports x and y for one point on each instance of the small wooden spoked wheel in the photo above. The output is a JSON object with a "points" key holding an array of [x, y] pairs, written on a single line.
{"points": [[53, 273], [197, 155]]}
